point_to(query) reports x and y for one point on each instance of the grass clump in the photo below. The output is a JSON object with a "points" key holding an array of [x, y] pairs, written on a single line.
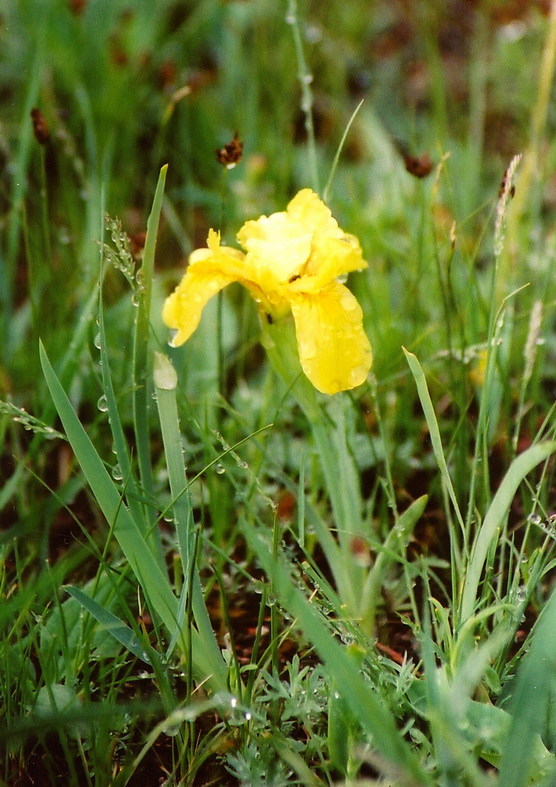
{"points": [[210, 572]]}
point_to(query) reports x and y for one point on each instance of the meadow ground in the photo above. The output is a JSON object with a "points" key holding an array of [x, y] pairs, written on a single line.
{"points": [[251, 559]]}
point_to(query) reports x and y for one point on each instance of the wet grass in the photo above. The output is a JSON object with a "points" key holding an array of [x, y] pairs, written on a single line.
{"points": [[209, 576]]}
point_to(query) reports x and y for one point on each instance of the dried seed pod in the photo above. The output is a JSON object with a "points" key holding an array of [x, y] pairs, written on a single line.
{"points": [[231, 153], [40, 126]]}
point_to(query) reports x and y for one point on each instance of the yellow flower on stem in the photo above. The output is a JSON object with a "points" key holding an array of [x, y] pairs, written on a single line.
{"points": [[293, 261]]}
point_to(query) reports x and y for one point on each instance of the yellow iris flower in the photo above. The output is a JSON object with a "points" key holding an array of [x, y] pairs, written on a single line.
{"points": [[292, 261]]}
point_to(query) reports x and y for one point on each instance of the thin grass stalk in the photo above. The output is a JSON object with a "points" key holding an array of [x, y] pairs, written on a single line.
{"points": [[305, 79], [18, 187], [45, 221], [335, 162], [490, 394], [531, 168], [530, 352], [141, 340]]}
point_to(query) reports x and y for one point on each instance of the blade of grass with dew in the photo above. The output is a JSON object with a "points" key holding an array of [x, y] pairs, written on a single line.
{"points": [[436, 441], [139, 513], [110, 623], [165, 381], [147, 571], [391, 551], [495, 517], [366, 706], [141, 339], [529, 706]]}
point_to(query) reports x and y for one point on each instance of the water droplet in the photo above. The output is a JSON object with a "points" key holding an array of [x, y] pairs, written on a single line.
{"points": [[117, 474], [135, 298], [97, 342], [307, 348], [102, 404], [243, 465], [290, 19], [534, 519], [220, 469], [307, 79]]}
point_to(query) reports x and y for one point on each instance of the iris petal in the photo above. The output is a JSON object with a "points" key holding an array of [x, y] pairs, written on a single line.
{"points": [[334, 350], [276, 249], [209, 271]]}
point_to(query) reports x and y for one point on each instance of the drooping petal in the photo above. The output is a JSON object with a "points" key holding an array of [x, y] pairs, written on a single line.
{"points": [[334, 350], [209, 271]]}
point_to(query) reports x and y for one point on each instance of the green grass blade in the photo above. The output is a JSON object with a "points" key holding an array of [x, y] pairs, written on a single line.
{"points": [[149, 574], [133, 496], [110, 623], [495, 518], [392, 550], [370, 711], [529, 708], [126, 530], [141, 339], [434, 431], [165, 380]]}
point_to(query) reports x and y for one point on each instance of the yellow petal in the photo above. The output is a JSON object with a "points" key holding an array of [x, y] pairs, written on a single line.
{"points": [[334, 350], [330, 258], [208, 272], [277, 247], [308, 210]]}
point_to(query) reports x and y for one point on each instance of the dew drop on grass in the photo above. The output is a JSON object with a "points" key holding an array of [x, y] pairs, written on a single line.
{"points": [[97, 342], [534, 519], [117, 474], [219, 469], [102, 404]]}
